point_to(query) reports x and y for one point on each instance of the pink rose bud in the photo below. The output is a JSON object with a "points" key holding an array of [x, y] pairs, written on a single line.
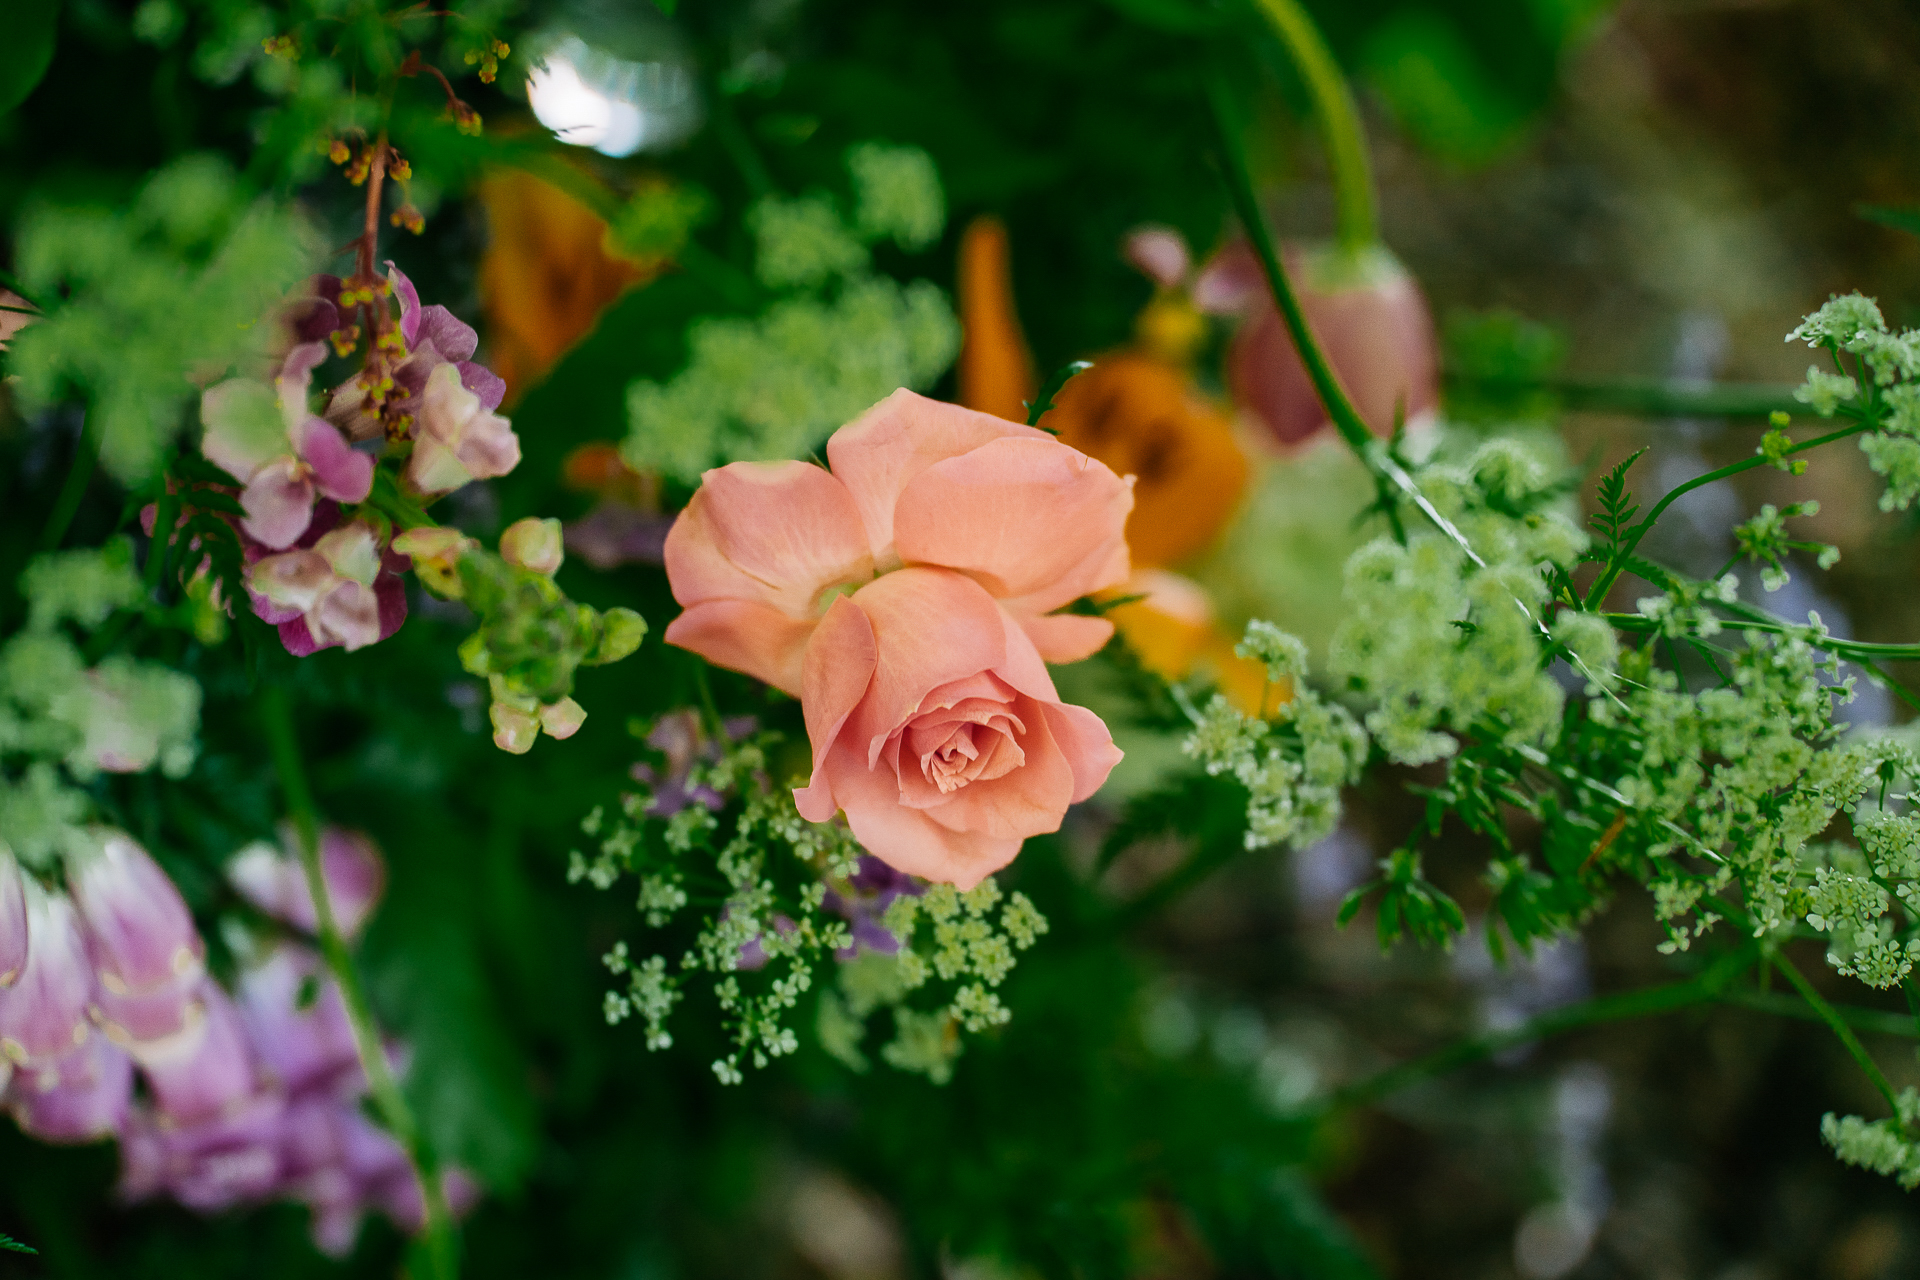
{"points": [[273, 880], [82, 1097], [1370, 319], [43, 1015], [533, 544], [211, 1073], [934, 723], [13, 919], [141, 937]]}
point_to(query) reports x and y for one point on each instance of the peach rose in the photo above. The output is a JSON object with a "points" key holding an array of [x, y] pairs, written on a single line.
{"points": [[906, 597]]}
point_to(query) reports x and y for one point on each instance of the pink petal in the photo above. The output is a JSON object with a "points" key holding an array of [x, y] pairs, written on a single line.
{"points": [[452, 337], [1027, 801], [297, 638], [347, 615], [1066, 637], [488, 447], [13, 920], [777, 533], [931, 627], [879, 453], [339, 471], [483, 382], [409, 303], [1159, 253], [279, 504], [1086, 745], [291, 580], [745, 636], [243, 427], [1035, 522], [839, 664], [296, 375], [1230, 282], [907, 839]]}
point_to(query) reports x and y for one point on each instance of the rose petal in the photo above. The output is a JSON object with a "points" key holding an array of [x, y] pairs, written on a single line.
{"points": [[1066, 637], [339, 471], [278, 502], [390, 595], [745, 636], [879, 453], [907, 839], [777, 533], [838, 667], [1027, 801], [932, 627], [295, 377], [1037, 523], [297, 638], [1086, 745]]}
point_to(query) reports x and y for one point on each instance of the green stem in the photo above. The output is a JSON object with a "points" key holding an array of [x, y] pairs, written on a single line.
{"points": [[1618, 560], [1345, 140], [442, 1248], [1873, 1020], [1839, 1027], [1859, 650], [86, 455], [1647, 1002]]}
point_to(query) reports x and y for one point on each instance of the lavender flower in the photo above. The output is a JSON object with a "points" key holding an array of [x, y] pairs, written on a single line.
{"points": [[207, 1076], [146, 953], [43, 1015], [679, 735], [81, 1097], [874, 887]]}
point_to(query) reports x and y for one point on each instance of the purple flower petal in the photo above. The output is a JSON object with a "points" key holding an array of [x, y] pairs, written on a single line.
{"points": [[13, 920], [302, 1049], [296, 375], [313, 319], [613, 534], [451, 337], [82, 1097], [409, 303], [483, 382], [279, 504], [339, 471], [298, 639], [43, 1015], [205, 1078], [275, 882], [390, 594], [140, 933]]}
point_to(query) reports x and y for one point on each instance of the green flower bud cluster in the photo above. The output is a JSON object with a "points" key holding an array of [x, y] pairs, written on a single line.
{"points": [[1882, 391], [1884, 1146], [775, 385], [532, 638], [1764, 538]]}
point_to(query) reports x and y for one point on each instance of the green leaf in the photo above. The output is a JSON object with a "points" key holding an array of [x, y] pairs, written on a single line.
{"points": [[1900, 218], [10, 1245], [26, 48]]}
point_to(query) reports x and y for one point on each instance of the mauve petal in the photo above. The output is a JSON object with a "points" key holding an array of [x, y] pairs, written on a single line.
{"points": [[932, 627], [777, 533], [450, 336], [1231, 281], [489, 448], [13, 919], [292, 580], [1066, 637], [483, 382], [43, 1015], [409, 303], [879, 453], [1037, 523], [278, 502], [839, 663], [228, 1159], [348, 615], [301, 1049], [390, 597], [214, 1073], [276, 883], [1027, 801], [297, 638], [1086, 745], [243, 429], [339, 471], [142, 936], [312, 319], [295, 376], [907, 839], [1159, 253], [743, 636], [82, 1098]]}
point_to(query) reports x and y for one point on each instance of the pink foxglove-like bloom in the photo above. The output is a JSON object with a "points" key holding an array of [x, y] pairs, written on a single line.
{"points": [[284, 455], [273, 880], [146, 952], [339, 591], [908, 597], [43, 1015], [81, 1097]]}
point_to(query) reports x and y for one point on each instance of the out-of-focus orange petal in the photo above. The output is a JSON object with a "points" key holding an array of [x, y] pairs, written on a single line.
{"points": [[1142, 417], [1173, 632], [597, 467], [545, 277], [996, 372]]}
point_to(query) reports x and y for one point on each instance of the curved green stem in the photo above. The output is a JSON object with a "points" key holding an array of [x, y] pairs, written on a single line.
{"points": [[442, 1248], [1345, 140], [1839, 1027], [1618, 560]]}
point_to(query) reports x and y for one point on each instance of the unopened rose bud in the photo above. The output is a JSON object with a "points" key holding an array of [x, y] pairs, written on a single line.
{"points": [[82, 1097], [533, 544], [13, 919], [43, 1015], [141, 937]]}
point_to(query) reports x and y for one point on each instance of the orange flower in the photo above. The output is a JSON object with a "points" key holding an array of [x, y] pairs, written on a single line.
{"points": [[996, 373], [1143, 417], [545, 278], [1173, 632]]}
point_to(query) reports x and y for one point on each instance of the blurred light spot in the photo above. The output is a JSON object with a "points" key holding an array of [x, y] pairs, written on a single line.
{"points": [[617, 107]]}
